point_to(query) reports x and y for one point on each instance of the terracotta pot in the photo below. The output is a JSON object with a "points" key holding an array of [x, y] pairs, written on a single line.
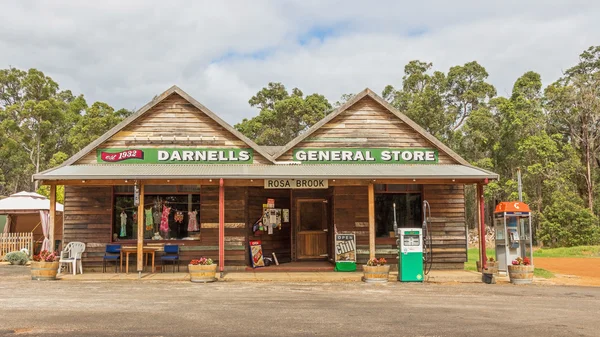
{"points": [[520, 274], [376, 274], [202, 273], [44, 271]]}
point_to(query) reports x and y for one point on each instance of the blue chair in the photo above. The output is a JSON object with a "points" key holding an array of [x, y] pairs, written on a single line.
{"points": [[171, 255], [112, 253]]}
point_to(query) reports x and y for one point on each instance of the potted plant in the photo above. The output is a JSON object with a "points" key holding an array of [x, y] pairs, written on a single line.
{"points": [[521, 271], [202, 270], [16, 258], [376, 271], [491, 263], [44, 266], [491, 267]]}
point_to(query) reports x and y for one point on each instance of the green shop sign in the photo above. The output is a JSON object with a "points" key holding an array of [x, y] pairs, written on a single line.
{"points": [[175, 156], [366, 156]]}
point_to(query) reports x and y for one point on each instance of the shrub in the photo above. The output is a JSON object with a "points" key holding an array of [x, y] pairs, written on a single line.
{"points": [[566, 223], [16, 258]]}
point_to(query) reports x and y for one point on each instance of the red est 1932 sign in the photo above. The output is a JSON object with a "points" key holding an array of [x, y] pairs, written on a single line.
{"points": [[123, 155]]}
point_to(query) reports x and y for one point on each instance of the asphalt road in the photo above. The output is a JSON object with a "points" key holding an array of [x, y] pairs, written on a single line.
{"points": [[133, 308]]}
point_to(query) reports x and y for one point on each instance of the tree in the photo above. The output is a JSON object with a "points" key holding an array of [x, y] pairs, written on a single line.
{"points": [[422, 98], [283, 116], [566, 222], [41, 126], [30, 112], [438, 102], [343, 99], [95, 121], [573, 103], [467, 91]]}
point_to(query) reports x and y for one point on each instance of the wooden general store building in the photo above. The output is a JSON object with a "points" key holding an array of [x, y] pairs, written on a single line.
{"points": [[342, 175]]}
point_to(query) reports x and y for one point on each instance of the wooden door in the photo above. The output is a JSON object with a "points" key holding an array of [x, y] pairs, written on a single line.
{"points": [[312, 229]]}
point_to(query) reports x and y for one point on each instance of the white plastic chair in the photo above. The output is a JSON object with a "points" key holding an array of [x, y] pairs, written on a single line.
{"points": [[71, 255]]}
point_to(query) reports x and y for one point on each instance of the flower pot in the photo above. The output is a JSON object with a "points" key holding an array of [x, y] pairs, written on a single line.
{"points": [[376, 274], [520, 274], [492, 267], [44, 271], [202, 273]]}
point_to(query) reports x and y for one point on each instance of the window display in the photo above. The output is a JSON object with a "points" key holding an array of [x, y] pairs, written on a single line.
{"points": [[168, 214]]}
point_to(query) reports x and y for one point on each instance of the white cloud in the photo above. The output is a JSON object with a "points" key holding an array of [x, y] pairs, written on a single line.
{"points": [[125, 52]]}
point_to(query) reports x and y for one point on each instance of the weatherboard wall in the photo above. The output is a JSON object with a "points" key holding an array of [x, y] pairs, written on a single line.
{"points": [[351, 215], [173, 117]]}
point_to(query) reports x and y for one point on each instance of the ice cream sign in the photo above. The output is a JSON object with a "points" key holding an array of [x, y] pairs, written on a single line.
{"points": [[175, 156], [366, 156]]}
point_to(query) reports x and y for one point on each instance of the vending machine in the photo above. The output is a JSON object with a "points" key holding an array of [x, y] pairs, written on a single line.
{"points": [[410, 259]]}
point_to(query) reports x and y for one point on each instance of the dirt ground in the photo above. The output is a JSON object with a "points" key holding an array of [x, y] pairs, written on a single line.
{"points": [[582, 271], [155, 308]]}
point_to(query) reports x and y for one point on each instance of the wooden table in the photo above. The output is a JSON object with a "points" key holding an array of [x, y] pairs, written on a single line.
{"points": [[133, 250]]}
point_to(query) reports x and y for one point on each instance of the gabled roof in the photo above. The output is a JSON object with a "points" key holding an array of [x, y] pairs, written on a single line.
{"points": [[26, 202], [368, 92], [174, 89]]}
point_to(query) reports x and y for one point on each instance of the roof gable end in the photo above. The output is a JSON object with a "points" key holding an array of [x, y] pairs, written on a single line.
{"points": [[387, 107], [146, 108]]}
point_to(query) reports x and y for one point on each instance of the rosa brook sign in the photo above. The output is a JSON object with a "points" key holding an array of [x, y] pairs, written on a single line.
{"points": [[366, 156], [296, 183]]}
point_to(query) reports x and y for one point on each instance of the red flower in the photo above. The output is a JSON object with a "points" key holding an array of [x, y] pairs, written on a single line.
{"points": [[526, 261]]}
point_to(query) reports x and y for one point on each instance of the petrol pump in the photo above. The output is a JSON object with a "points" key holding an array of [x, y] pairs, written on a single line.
{"points": [[512, 221], [414, 259]]}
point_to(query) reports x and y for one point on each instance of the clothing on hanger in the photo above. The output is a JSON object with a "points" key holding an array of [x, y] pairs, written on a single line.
{"points": [[164, 221], [123, 224], [179, 217], [149, 219], [193, 222]]}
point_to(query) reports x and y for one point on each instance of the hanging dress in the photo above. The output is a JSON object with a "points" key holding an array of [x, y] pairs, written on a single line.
{"points": [[192, 223], [149, 220], [123, 224], [157, 217], [164, 220]]}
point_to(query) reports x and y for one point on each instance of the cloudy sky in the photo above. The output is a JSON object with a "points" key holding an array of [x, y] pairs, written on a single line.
{"points": [[222, 52]]}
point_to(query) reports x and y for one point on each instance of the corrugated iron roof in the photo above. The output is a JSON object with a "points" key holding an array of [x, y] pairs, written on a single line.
{"points": [[332, 171]]}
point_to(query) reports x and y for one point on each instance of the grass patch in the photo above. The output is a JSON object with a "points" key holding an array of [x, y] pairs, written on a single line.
{"points": [[473, 256], [579, 251], [539, 272]]}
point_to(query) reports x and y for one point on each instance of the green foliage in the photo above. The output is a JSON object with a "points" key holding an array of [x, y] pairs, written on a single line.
{"points": [[41, 126], [473, 257], [60, 192], [577, 251], [543, 273], [550, 134], [283, 116], [16, 258], [566, 223]]}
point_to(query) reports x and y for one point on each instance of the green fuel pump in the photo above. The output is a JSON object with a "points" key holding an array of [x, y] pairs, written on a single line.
{"points": [[414, 244]]}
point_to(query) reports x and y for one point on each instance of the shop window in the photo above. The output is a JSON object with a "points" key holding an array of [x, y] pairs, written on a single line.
{"points": [[183, 206], [408, 211]]}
